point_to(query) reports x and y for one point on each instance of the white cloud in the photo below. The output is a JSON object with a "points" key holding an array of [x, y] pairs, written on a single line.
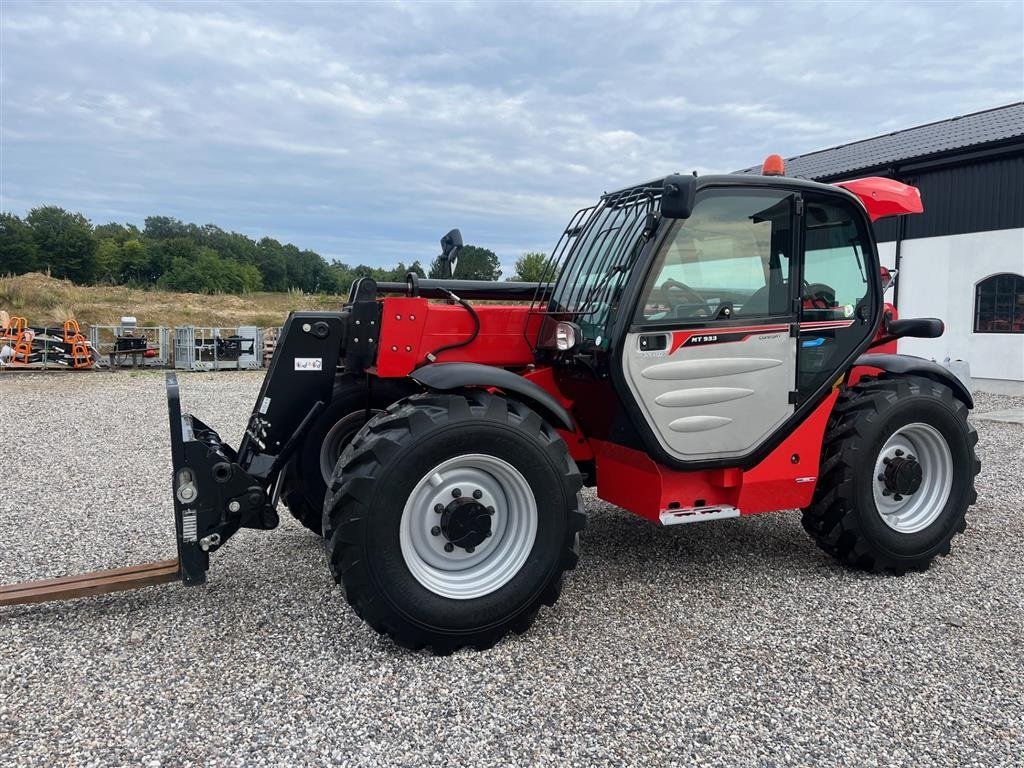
{"points": [[368, 130]]}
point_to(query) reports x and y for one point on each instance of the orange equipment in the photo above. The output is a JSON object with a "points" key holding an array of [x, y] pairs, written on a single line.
{"points": [[81, 357], [71, 330], [14, 329], [23, 347]]}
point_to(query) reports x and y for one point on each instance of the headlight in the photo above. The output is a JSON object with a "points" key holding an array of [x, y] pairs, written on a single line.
{"points": [[566, 336]]}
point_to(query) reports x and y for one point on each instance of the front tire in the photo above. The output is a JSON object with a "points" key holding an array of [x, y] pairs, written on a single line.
{"points": [[307, 474], [452, 519], [897, 475]]}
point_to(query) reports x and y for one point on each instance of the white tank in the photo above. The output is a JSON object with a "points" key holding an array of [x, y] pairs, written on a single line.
{"points": [[962, 370]]}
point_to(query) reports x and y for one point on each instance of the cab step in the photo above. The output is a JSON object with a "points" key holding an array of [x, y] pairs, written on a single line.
{"points": [[696, 514]]}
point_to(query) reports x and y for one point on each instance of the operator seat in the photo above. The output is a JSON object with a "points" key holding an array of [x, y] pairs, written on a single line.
{"points": [[765, 301]]}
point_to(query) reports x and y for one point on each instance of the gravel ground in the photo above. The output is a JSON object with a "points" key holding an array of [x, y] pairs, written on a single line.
{"points": [[727, 643]]}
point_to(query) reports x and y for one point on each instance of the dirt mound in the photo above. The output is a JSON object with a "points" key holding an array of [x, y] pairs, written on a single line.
{"points": [[46, 300]]}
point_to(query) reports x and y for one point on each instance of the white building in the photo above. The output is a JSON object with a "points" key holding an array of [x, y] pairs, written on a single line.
{"points": [[962, 260]]}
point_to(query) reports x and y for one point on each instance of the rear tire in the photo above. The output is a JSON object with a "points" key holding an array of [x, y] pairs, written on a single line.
{"points": [[888, 435], [452, 519], [304, 485]]}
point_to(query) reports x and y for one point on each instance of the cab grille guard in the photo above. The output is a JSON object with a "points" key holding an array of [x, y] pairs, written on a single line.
{"points": [[593, 256]]}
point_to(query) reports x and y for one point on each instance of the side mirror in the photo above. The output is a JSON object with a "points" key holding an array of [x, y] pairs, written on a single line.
{"points": [[918, 327], [450, 246], [677, 196]]}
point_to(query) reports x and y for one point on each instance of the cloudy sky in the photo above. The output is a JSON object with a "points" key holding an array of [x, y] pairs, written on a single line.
{"points": [[365, 131]]}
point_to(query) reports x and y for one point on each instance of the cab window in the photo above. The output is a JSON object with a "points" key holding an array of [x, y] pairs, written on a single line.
{"points": [[835, 279], [731, 258]]}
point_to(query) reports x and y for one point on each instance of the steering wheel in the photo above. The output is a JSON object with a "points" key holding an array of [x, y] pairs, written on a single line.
{"points": [[682, 296], [817, 295]]}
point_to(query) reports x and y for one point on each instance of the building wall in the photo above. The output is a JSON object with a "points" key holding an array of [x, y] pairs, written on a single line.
{"points": [[975, 196], [937, 279]]}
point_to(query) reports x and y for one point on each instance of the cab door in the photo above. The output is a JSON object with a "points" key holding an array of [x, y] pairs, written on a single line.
{"points": [[836, 296], [710, 357]]}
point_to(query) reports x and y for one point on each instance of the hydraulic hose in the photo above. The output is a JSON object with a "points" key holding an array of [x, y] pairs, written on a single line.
{"points": [[432, 356]]}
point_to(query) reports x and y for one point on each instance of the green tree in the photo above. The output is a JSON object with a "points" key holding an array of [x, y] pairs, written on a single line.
{"points": [[205, 271], [474, 263], [271, 262], [109, 259], [18, 251], [135, 264], [434, 271], [65, 242], [164, 228], [114, 231], [174, 254], [319, 279], [532, 267], [163, 254]]}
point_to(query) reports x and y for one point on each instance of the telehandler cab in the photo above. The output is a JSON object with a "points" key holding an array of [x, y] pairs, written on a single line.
{"points": [[701, 348]]}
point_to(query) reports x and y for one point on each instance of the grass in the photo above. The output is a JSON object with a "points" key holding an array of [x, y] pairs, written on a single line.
{"points": [[44, 300]]}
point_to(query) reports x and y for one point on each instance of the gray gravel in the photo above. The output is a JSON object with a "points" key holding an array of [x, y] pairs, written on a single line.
{"points": [[726, 643]]}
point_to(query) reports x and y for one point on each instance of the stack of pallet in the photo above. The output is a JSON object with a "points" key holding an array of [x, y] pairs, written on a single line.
{"points": [[269, 344]]}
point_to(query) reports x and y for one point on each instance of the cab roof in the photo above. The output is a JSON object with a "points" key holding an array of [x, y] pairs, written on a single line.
{"points": [[879, 196]]}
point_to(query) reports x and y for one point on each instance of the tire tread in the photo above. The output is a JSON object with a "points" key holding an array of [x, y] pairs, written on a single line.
{"points": [[346, 507], [831, 519]]}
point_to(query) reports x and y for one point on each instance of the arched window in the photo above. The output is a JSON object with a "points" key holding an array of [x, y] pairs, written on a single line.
{"points": [[999, 304]]}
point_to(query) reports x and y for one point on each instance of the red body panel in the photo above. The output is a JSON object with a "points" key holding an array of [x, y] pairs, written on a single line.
{"points": [[884, 197], [633, 480], [579, 447], [413, 328], [889, 347]]}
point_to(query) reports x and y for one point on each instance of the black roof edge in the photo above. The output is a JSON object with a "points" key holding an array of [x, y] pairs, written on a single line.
{"points": [[732, 179], [905, 161], [906, 130], [918, 163]]}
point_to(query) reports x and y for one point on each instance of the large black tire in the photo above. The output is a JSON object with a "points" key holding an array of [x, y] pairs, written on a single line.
{"points": [[303, 486], [844, 518], [383, 467]]}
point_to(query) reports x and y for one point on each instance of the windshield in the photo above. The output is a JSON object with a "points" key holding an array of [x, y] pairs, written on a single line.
{"points": [[600, 254]]}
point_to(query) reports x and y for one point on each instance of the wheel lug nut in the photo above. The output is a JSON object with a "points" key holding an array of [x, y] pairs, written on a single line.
{"points": [[881, 477], [899, 452], [449, 547], [897, 497], [911, 458], [886, 492], [471, 550], [435, 531], [489, 534], [490, 510], [456, 492], [439, 508], [477, 493]]}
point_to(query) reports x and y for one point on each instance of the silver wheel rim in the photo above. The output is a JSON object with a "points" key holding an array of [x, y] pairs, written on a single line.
{"points": [[461, 574], [337, 438], [916, 511]]}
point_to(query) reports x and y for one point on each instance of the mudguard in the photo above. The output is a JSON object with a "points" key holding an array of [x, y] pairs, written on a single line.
{"points": [[448, 376], [919, 366]]}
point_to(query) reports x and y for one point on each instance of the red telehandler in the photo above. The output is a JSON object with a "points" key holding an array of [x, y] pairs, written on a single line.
{"points": [[702, 348]]}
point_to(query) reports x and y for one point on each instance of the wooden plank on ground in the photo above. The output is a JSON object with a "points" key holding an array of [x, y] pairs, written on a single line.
{"points": [[86, 584]]}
